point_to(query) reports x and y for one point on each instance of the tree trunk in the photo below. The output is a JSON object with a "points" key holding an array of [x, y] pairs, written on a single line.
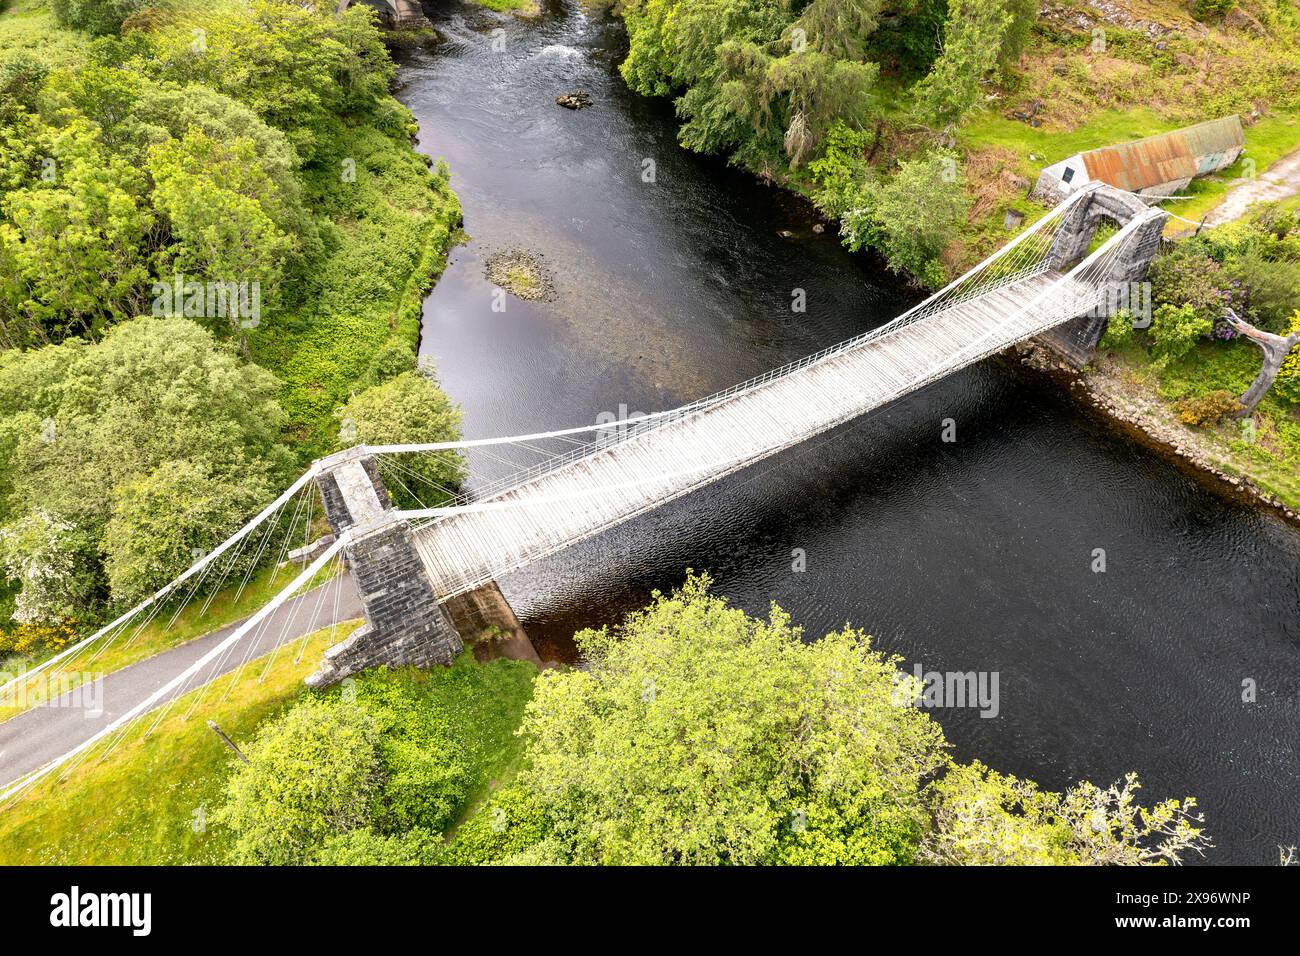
{"points": [[1275, 349]]}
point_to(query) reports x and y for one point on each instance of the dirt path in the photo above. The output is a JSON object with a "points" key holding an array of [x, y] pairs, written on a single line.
{"points": [[1279, 181]]}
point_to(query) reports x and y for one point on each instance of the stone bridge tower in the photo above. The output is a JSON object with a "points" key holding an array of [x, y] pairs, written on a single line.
{"points": [[404, 622], [1078, 338], [394, 14]]}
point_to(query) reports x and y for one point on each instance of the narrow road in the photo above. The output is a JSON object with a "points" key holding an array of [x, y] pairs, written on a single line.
{"points": [[1279, 181], [34, 738]]}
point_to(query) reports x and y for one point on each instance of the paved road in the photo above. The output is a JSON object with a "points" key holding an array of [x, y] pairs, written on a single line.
{"points": [[1281, 180], [34, 738]]}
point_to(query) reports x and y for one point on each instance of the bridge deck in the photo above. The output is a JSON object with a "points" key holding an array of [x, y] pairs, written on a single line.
{"points": [[584, 497]]}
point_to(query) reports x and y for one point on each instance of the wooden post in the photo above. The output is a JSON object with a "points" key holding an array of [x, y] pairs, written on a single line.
{"points": [[229, 743]]}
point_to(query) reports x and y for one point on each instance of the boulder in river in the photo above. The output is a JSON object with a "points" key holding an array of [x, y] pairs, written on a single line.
{"points": [[577, 100], [520, 273]]}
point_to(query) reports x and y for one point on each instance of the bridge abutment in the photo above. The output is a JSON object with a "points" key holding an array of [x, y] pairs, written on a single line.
{"points": [[394, 14], [405, 624], [1077, 340]]}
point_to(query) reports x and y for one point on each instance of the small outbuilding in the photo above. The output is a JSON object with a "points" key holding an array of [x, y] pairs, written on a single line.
{"points": [[1156, 166]]}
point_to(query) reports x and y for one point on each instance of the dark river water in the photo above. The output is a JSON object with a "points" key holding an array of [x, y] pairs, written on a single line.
{"points": [[975, 555]]}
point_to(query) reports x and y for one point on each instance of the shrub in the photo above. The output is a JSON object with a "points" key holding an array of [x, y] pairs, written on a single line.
{"points": [[1175, 330], [312, 774], [1211, 9], [425, 777], [21, 79], [509, 823], [94, 16], [1208, 408], [1188, 276], [336, 776], [146, 19], [368, 848], [37, 637], [395, 357], [1119, 331], [1287, 385], [840, 170]]}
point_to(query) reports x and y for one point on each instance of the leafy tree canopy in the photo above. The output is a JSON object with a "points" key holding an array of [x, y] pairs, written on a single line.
{"points": [[702, 735], [119, 440], [409, 408]]}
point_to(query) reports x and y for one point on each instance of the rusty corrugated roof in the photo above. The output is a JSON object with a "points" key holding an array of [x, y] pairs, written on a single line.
{"points": [[1180, 154]]}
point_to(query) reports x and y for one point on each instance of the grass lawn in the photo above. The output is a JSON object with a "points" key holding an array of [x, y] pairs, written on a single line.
{"points": [[149, 802], [145, 804]]}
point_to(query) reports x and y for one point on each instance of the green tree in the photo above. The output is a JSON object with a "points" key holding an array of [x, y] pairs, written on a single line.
{"points": [[701, 735], [221, 207], [72, 249], [162, 520], [94, 16], [408, 409], [973, 40], [983, 818], [910, 216], [310, 775], [759, 80], [98, 432], [297, 69], [41, 553]]}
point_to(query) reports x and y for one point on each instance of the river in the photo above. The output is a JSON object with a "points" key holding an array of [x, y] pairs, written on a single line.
{"points": [[974, 555]]}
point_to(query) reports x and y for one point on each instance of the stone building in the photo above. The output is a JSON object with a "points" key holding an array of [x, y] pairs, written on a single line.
{"points": [[1156, 166]]}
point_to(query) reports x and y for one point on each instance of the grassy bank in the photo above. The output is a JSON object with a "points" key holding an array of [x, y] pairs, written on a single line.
{"points": [[1265, 451], [146, 804], [232, 603], [150, 801]]}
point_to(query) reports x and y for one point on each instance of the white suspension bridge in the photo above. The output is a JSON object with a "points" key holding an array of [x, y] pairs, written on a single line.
{"points": [[409, 564]]}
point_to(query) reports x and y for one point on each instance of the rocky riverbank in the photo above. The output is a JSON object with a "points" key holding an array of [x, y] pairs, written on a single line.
{"points": [[1143, 417]]}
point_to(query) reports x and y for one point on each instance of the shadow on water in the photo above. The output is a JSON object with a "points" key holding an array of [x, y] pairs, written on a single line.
{"points": [[974, 555]]}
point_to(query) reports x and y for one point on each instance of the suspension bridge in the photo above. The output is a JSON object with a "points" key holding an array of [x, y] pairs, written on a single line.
{"points": [[413, 567]]}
